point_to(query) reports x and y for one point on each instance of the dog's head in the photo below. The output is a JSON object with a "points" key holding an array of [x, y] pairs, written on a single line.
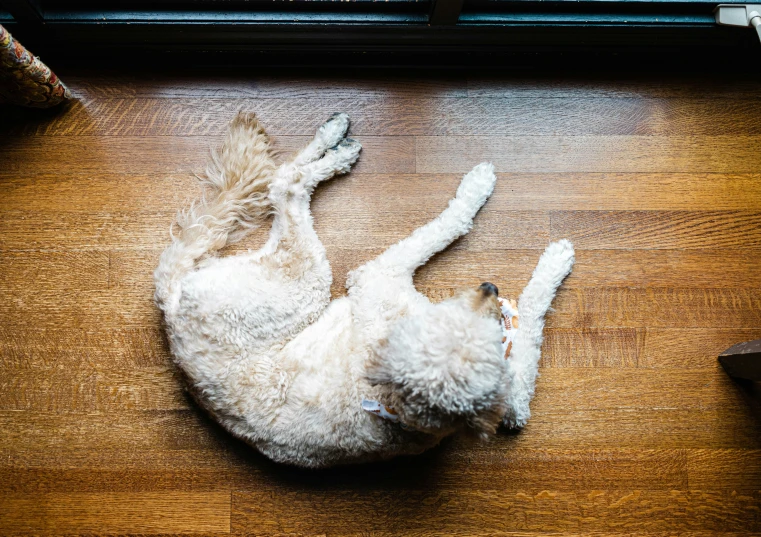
{"points": [[442, 369]]}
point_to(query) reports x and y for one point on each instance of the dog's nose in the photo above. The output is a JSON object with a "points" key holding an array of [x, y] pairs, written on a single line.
{"points": [[489, 289]]}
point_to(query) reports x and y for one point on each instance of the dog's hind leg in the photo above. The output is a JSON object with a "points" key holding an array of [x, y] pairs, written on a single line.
{"points": [[328, 135], [404, 257], [294, 247], [328, 154], [337, 160], [523, 363]]}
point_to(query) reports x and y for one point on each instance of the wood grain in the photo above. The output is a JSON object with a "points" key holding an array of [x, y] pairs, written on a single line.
{"points": [[163, 155], [692, 347], [115, 512], [643, 154], [285, 84], [380, 116], [605, 86], [157, 388], [441, 469], [658, 229], [155, 192], [278, 84], [723, 468], [494, 510], [635, 428], [592, 347]]}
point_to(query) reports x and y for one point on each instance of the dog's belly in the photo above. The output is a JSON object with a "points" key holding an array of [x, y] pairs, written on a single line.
{"points": [[233, 319], [243, 304]]}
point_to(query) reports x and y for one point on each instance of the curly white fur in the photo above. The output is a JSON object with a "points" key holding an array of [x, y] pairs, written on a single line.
{"points": [[278, 364]]}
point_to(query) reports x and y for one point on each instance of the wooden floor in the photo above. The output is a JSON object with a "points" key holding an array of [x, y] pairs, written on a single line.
{"points": [[635, 428]]}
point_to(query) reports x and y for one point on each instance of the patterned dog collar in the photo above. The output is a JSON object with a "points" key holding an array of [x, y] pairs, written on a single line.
{"points": [[509, 324]]}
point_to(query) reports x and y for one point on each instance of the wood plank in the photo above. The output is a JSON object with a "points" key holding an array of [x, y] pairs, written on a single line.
{"points": [[380, 193], [631, 388], [554, 85], [114, 470], [159, 155], [494, 230], [492, 510], [659, 229], [156, 388], [64, 289], [122, 349], [738, 428], [644, 154], [31, 230], [691, 347], [728, 469], [618, 191], [92, 347], [115, 512], [40, 272], [590, 347], [380, 116], [53, 195], [125, 429], [458, 465], [125, 348], [607, 307], [226, 83]]}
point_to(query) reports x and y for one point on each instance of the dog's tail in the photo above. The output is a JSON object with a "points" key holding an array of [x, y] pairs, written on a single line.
{"points": [[554, 265], [238, 178]]}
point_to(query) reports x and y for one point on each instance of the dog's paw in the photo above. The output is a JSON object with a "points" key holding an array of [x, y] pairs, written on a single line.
{"points": [[518, 400], [334, 130], [346, 154], [516, 418], [511, 422], [477, 185], [557, 261]]}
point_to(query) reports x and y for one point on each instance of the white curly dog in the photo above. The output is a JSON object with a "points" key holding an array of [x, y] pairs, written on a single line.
{"points": [[307, 380]]}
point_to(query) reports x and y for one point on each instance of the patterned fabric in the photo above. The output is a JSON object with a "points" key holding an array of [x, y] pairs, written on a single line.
{"points": [[24, 79]]}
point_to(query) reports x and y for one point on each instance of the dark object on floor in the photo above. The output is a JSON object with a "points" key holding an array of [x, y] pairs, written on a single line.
{"points": [[743, 361], [24, 79]]}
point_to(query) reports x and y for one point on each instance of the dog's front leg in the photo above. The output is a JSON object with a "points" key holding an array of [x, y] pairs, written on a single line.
{"points": [[523, 364], [409, 254]]}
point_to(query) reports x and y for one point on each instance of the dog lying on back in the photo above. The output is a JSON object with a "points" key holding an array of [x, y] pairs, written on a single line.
{"points": [[378, 373]]}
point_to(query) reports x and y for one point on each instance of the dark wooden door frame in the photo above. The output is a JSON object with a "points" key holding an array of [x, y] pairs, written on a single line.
{"points": [[684, 31]]}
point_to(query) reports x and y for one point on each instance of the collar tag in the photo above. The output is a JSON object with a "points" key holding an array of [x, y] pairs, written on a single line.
{"points": [[382, 411]]}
